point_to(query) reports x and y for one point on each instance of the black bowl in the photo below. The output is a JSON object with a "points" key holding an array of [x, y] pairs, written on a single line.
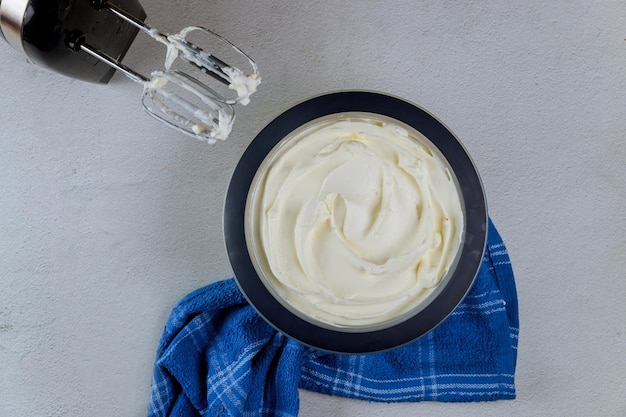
{"points": [[451, 290]]}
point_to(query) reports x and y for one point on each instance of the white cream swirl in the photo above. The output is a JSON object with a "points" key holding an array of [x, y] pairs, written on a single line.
{"points": [[354, 220]]}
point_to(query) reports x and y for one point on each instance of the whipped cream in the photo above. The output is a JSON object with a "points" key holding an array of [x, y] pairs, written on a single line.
{"points": [[354, 220]]}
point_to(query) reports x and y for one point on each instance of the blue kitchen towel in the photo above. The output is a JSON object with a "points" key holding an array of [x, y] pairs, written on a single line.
{"points": [[217, 357]]}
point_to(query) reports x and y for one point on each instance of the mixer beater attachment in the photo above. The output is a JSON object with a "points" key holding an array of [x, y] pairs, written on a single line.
{"points": [[173, 96]]}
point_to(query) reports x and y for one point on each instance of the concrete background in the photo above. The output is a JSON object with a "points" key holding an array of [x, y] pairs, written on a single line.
{"points": [[107, 218]]}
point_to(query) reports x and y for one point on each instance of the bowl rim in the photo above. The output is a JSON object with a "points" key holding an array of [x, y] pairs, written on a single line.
{"points": [[350, 341]]}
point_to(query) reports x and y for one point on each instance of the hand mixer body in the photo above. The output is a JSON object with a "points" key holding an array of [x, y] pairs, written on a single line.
{"points": [[39, 29]]}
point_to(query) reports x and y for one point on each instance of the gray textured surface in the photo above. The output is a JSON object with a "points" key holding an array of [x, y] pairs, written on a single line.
{"points": [[107, 218]]}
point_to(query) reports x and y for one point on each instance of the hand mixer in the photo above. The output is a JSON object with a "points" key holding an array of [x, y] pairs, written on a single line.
{"points": [[87, 40]]}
